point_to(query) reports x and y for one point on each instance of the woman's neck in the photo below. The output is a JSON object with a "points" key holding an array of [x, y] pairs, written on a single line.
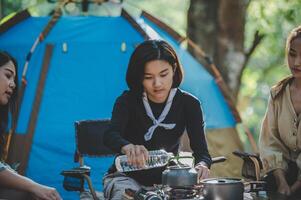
{"points": [[297, 83]]}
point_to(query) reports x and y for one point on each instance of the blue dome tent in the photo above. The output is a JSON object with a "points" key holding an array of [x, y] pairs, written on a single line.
{"points": [[76, 73]]}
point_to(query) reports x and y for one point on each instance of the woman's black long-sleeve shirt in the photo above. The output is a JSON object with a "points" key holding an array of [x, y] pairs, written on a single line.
{"points": [[130, 122]]}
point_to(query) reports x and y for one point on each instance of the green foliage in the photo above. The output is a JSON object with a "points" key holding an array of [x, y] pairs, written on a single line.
{"points": [[171, 12], [267, 65], [10, 6]]}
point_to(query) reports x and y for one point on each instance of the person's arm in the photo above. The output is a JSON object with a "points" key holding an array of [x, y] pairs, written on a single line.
{"points": [[137, 154], [297, 185], [272, 149], [120, 115], [11, 179], [113, 138], [281, 182], [198, 144]]}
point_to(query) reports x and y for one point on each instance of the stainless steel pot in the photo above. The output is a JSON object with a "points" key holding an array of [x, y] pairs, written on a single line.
{"points": [[179, 175], [223, 188]]}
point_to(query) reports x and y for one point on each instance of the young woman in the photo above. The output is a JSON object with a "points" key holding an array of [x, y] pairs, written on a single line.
{"points": [[8, 92], [153, 115], [280, 137]]}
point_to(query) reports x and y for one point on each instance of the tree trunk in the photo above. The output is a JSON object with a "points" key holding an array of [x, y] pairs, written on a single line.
{"points": [[218, 26]]}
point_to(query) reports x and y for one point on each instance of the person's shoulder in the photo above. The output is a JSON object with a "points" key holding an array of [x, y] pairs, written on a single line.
{"points": [[188, 97], [127, 97], [126, 94], [278, 88]]}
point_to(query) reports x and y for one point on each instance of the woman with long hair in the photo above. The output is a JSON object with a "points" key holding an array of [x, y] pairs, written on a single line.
{"points": [[280, 137], [8, 96]]}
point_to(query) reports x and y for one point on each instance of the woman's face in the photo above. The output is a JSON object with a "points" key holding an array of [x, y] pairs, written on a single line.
{"points": [[7, 83], [294, 57], [158, 79]]}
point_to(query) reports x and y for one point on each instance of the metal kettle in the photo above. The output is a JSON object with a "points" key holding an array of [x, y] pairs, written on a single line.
{"points": [[179, 175]]}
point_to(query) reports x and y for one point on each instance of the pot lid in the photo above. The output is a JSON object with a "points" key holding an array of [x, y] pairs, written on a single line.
{"points": [[221, 181]]}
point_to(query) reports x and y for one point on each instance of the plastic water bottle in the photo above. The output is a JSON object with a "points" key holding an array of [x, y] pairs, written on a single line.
{"points": [[156, 158]]}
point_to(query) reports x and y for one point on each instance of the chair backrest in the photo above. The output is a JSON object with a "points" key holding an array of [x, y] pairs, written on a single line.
{"points": [[252, 165], [89, 138]]}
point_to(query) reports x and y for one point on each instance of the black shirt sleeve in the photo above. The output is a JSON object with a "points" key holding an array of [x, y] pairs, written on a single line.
{"points": [[113, 137], [195, 130]]}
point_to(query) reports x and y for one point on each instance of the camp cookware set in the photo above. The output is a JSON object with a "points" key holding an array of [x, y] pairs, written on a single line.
{"points": [[180, 175]]}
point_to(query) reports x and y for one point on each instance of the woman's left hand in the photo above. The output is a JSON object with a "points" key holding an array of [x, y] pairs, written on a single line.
{"points": [[43, 192], [296, 186], [203, 171]]}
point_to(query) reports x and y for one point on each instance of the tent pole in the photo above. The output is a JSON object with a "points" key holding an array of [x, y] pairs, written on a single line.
{"points": [[133, 22], [18, 17], [55, 17], [36, 106]]}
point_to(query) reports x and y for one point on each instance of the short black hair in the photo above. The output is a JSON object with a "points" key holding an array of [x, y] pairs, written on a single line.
{"points": [[147, 51]]}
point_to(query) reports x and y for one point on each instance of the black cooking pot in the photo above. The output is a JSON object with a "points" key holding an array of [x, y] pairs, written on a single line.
{"points": [[223, 188], [179, 175]]}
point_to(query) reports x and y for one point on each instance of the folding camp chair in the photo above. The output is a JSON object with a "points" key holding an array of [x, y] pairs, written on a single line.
{"points": [[252, 165], [251, 169], [89, 142]]}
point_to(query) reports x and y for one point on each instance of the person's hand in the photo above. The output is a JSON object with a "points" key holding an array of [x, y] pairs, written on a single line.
{"points": [[296, 186], [42, 192], [203, 170], [137, 155], [283, 187]]}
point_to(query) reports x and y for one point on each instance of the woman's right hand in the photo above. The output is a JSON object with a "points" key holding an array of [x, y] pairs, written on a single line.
{"points": [[283, 187], [137, 154]]}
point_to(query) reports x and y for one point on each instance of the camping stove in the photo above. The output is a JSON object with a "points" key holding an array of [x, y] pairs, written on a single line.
{"points": [[184, 193], [254, 192]]}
